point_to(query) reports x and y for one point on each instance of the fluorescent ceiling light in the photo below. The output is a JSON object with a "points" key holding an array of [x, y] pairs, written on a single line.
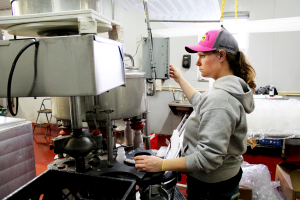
{"points": [[177, 10], [233, 26]]}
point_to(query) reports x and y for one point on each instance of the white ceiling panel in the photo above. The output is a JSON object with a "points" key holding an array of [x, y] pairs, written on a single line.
{"points": [[177, 9]]}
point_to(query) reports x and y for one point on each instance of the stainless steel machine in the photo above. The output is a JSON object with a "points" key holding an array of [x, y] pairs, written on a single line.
{"points": [[85, 76]]}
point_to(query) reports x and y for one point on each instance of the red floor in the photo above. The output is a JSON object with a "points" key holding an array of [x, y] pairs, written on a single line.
{"points": [[43, 154], [267, 156]]}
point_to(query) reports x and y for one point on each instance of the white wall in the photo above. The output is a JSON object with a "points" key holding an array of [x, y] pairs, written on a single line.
{"points": [[273, 55]]}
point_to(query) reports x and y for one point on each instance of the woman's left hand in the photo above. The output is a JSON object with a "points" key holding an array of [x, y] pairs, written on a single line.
{"points": [[148, 163]]}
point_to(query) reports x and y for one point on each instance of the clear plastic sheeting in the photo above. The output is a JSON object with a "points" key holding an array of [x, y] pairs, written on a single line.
{"points": [[177, 10], [277, 119], [258, 178]]}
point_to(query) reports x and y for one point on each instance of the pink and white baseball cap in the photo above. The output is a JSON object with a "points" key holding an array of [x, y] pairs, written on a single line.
{"points": [[215, 40]]}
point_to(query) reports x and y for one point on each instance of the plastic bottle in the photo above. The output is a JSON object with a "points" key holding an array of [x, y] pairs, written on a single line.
{"points": [[121, 155], [271, 91], [174, 143]]}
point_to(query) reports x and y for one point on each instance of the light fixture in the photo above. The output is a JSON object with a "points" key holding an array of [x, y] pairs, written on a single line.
{"points": [[236, 26]]}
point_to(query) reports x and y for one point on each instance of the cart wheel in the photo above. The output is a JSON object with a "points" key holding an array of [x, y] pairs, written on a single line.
{"points": [[283, 157]]}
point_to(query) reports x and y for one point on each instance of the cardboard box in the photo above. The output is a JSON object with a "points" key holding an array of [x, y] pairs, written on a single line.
{"points": [[288, 173], [245, 193]]}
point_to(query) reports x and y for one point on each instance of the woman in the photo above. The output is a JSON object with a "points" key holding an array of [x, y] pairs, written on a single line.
{"points": [[215, 135]]}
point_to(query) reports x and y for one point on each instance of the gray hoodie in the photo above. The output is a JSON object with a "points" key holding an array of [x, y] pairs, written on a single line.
{"points": [[215, 135]]}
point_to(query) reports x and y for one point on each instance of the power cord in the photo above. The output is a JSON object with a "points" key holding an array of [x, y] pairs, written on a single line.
{"points": [[140, 42], [12, 72]]}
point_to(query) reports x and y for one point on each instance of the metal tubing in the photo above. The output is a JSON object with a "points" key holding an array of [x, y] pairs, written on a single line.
{"points": [[184, 21], [109, 139], [146, 132], [75, 111], [131, 58], [65, 122], [153, 74]]}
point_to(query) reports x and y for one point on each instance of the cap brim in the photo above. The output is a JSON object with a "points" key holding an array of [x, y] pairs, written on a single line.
{"points": [[196, 48]]}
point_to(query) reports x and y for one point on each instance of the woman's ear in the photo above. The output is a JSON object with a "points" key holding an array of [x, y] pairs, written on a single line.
{"points": [[222, 55]]}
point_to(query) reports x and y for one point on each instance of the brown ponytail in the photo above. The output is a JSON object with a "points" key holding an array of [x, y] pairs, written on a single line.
{"points": [[242, 68]]}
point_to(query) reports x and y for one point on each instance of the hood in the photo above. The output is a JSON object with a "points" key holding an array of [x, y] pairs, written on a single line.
{"points": [[238, 88]]}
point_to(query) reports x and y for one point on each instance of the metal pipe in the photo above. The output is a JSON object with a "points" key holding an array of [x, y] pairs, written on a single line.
{"points": [[75, 111], [150, 44], [184, 21], [146, 131], [96, 100], [109, 139], [131, 58], [65, 122]]}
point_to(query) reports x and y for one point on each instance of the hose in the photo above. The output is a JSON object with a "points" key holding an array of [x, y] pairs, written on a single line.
{"points": [[11, 75], [131, 58]]}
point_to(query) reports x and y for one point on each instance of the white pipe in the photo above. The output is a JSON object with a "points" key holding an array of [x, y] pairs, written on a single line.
{"points": [[174, 88]]}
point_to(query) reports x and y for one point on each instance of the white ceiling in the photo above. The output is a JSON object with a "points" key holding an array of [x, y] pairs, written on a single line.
{"points": [[4, 4], [177, 9]]}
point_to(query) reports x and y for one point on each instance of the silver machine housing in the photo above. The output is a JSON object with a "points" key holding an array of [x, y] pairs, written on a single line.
{"points": [[66, 66]]}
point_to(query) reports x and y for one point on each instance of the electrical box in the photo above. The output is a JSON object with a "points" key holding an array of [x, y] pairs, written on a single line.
{"points": [[161, 58]]}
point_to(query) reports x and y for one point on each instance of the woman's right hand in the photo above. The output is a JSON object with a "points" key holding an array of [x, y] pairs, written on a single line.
{"points": [[175, 73]]}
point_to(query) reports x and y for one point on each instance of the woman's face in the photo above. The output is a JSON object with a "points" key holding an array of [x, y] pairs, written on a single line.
{"points": [[208, 64]]}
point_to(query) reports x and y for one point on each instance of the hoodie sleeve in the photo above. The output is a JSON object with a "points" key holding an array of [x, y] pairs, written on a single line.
{"points": [[213, 136], [195, 99]]}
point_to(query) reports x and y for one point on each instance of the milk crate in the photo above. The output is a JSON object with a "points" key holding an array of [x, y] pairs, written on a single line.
{"points": [[271, 142]]}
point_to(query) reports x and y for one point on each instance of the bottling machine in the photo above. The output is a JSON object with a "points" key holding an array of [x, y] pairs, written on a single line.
{"points": [[86, 78]]}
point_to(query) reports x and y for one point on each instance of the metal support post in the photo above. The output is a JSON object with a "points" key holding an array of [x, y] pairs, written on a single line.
{"points": [[109, 135], [75, 111]]}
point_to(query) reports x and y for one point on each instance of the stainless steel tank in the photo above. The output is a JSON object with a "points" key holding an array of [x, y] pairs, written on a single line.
{"points": [[126, 101], [23, 7]]}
